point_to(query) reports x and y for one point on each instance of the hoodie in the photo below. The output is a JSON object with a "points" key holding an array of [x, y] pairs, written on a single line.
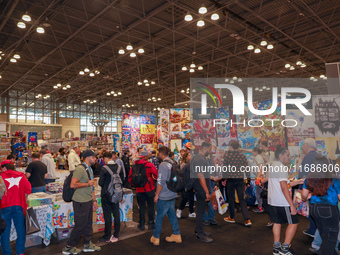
{"points": [[17, 186], [48, 160], [105, 176], [151, 171], [73, 160]]}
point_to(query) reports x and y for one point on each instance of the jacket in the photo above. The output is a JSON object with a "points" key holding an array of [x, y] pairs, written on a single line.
{"points": [[17, 186], [73, 160], [105, 176], [151, 171], [48, 160]]}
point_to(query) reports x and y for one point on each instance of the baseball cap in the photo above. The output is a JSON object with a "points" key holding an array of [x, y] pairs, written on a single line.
{"points": [[89, 153], [143, 153], [5, 162]]}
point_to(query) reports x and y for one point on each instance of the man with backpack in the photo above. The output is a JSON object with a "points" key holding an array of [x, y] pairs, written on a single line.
{"points": [[154, 159], [126, 161], [84, 204], [165, 200], [142, 176], [111, 194]]}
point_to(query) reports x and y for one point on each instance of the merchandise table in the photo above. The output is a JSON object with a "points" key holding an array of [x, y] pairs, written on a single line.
{"points": [[60, 215]]}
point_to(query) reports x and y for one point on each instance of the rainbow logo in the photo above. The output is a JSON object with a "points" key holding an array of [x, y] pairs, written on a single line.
{"points": [[209, 93]]}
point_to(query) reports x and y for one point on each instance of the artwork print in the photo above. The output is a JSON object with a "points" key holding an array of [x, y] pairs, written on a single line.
{"points": [[135, 122], [147, 138], [147, 129], [179, 115], [147, 119], [126, 122]]}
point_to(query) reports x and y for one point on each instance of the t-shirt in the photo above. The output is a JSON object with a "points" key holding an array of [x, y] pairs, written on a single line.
{"points": [[275, 194], [307, 162], [199, 164], [82, 195], [164, 173], [37, 169], [330, 198], [61, 160]]}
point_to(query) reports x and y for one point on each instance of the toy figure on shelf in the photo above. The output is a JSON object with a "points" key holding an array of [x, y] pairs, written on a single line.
{"points": [[19, 147]]}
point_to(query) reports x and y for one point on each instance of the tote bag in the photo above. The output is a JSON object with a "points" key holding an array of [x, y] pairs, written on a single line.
{"points": [[31, 222]]}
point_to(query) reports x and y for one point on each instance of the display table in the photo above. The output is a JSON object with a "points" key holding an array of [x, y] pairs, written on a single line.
{"points": [[60, 215]]}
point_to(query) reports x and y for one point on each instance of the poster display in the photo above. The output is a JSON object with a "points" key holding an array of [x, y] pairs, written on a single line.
{"points": [[147, 138], [147, 129], [135, 122], [164, 132], [179, 115], [204, 130], [126, 141], [147, 119], [126, 122]]}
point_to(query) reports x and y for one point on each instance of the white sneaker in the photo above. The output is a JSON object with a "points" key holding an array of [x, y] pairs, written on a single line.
{"points": [[113, 239], [179, 213], [192, 215]]}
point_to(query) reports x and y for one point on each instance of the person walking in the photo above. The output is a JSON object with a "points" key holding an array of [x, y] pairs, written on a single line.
{"points": [[282, 209], [13, 206], [84, 204], [324, 194], [146, 194], [165, 201], [109, 208], [235, 180]]}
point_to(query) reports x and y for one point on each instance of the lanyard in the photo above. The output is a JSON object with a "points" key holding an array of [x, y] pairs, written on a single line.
{"points": [[91, 173]]}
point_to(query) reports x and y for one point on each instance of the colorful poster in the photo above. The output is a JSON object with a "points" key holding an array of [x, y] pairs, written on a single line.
{"points": [[204, 130], [164, 134], [327, 115], [179, 115], [175, 127], [186, 126], [116, 140], [147, 147], [321, 147], [186, 134], [46, 134], [135, 140], [223, 130], [135, 122], [147, 138], [126, 123], [147, 129], [175, 146], [176, 135], [148, 119], [304, 128], [126, 140]]}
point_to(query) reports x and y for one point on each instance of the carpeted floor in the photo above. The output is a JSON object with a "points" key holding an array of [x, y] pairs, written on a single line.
{"points": [[231, 239]]}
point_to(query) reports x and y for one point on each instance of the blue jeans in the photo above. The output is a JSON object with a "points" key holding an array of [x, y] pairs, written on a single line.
{"points": [[163, 208], [47, 181], [16, 213], [211, 213], [39, 189], [316, 244]]}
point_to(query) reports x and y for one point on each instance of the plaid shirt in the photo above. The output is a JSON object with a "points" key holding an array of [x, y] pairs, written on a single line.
{"points": [[235, 158]]}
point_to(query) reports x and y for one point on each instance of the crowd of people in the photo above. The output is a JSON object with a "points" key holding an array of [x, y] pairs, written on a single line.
{"points": [[152, 176]]}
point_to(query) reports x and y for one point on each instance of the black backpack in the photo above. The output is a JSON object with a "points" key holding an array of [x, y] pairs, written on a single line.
{"points": [[176, 182], [139, 177], [67, 190]]}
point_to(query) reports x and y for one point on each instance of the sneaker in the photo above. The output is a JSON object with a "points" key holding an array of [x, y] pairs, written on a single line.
{"points": [[276, 250], [270, 224], [315, 251], [308, 234], [91, 247], [286, 250], [206, 223], [204, 238], [258, 210], [192, 215], [248, 223], [179, 213], [213, 222], [71, 251], [113, 239], [230, 220], [104, 239], [204, 233]]}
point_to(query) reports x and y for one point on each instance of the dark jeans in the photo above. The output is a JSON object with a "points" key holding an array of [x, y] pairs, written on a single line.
{"points": [[312, 225], [108, 209], [16, 213], [83, 213], [166, 207], [142, 199], [239, 186], [187, 196], [327, 221], [200, 209]]}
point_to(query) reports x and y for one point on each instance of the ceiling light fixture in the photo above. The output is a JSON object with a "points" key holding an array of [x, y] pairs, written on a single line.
{"points": [[292, 68], [270, 46], [21, 24], [13, 60], [129, 47], [55, 87], [257, 50], [192, 65], [64, 88], [139, 83], [153, 83], [121, 51], [188, 17], [184, 68], [250, 47], [96, 72], [133, 55], [303, 65], [81, 72], [200, 68], [200, 23], [145, 81], [287, 65], [115, 95], [215, 16], [26, 17], [119, 93], [234, 78], [68, 86], [202, 10], [192, 70], [263, 43], [40, 30], [299, 63], [183, 91], [141, 50], [58, 85], [112, 92], [91, 74], [159, 99], [147, 84], [86, 70], [17, 56], [108, 93]]}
